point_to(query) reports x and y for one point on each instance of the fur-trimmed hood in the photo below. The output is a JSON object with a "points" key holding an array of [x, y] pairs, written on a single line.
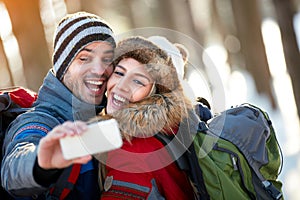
{"points": [[157, 113]]}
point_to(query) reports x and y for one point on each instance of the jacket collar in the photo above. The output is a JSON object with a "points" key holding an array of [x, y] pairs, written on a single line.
{"points": [[55, 95]]}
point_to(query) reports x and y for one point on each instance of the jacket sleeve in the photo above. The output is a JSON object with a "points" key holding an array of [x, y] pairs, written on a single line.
{"points": [[20, 153]]}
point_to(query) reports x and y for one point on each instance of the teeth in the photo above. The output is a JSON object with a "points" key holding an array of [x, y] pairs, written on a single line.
{"points": [[119, 98], [95, 82], [95, 89]]}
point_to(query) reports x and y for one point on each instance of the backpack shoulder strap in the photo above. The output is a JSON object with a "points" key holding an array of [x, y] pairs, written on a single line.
{"points": [[187, 162], [65, 182]]}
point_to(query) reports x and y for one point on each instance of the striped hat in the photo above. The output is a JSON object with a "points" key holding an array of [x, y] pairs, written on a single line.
{"points": [[74, 32]]}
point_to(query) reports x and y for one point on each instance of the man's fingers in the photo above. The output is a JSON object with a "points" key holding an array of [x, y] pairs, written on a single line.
{"points": [[80, 126], [69, 128], [82, 160]]}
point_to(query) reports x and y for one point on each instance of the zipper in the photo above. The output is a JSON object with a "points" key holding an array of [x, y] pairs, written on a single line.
{"points": [[235, 159]]}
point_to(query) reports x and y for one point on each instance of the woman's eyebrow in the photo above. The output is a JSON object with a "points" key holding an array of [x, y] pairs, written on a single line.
{"points": [[143, 76], [120, 66], [138, 74]]}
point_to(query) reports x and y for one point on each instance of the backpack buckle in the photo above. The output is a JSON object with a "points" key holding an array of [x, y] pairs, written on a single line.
{"points": [[272, 190]]}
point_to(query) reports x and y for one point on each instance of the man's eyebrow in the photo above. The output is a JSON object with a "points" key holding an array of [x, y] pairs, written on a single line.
{"points": [[91, 50], [109, 52], [87, 49]]}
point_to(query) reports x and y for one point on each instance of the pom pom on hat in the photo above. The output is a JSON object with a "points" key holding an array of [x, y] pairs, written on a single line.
{"points": [[173, 51], [74, 32]]}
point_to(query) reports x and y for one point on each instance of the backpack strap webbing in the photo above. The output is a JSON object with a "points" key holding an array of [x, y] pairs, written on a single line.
{"points": [[187, 162], [196, 174], [65, 182]]}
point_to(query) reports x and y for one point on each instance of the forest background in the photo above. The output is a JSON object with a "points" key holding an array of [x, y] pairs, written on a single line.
{"points": [[239, 51]]}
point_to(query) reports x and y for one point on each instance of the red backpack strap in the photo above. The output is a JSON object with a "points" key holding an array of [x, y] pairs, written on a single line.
{"points": [[65, 182], [24, 97]]}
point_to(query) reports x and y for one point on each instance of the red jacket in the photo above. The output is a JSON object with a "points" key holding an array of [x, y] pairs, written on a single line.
{"points": [[144, 168]]}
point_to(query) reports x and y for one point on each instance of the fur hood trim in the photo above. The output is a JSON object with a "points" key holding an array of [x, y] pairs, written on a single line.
{"points": [[157, 113]]}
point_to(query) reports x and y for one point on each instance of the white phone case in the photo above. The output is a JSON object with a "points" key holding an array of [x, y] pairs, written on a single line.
{"points": [[100, 137]]}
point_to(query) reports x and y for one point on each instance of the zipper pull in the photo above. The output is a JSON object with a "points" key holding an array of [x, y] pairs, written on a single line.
{"points": [[235, 167]]}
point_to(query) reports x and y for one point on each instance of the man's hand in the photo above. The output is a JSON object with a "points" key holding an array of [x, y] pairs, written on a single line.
{"points": [[49, 151]]}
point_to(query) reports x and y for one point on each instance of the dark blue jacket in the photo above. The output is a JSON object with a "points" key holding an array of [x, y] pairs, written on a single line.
{"points": [[21, 176]]}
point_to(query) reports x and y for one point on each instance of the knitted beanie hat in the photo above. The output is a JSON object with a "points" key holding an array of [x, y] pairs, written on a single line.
{"points": [[74, 32], [157, 62]]}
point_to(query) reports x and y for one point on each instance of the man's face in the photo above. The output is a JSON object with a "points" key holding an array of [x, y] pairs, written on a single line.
{"points": [[87, 75]]}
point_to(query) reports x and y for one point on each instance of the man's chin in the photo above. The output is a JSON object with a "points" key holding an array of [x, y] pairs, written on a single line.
{"points": [[98, 100], [92, 100]]}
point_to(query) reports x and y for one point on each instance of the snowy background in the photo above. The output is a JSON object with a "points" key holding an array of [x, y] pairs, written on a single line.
{"points": [[239, 88]]}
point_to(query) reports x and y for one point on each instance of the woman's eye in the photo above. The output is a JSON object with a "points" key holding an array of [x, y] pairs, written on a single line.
{"points": [[119, 73], [139, 82]]}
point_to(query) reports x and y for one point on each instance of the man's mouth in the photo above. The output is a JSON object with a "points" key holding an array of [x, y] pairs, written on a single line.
{"points": [[95, 86]]}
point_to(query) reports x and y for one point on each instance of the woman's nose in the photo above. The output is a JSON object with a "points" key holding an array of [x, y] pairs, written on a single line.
{"points": [[123, 85]]}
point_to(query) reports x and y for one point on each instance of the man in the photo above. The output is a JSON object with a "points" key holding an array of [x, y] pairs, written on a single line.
{"points": [[73, 89]]}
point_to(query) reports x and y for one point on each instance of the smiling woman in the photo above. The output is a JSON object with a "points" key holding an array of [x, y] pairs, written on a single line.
{"points": [[145, 96]]}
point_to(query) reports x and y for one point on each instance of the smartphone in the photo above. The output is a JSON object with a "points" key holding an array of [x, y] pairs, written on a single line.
{"points": [[100, 137]]}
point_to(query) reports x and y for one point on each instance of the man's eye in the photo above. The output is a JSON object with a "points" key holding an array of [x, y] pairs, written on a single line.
{"points": [[107, 60], [83, 58]]}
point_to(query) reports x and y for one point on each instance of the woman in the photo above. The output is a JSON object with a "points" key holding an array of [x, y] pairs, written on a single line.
{"points": [[145, 96]]}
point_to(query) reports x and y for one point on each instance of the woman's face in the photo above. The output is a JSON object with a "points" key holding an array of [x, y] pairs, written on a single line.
{"points": [[129, 83]]}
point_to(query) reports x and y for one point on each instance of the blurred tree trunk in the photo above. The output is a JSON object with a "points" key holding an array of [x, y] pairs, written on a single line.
{"points": [[73, 5], [181, 19], [162, 17], [5, 73], [28, 29], [248, 23], [219, 25], [285, 13], [92, 6], [128, 13], [223, 22]]}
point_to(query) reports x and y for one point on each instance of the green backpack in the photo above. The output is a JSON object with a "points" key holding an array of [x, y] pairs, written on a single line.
{"points": [[234, 156]]}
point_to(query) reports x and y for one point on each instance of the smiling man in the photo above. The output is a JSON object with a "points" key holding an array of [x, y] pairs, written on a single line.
{"points": [[74, 89]]}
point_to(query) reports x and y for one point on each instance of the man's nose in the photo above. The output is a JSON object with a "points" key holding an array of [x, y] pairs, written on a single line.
{"points": [[99, 67]]}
